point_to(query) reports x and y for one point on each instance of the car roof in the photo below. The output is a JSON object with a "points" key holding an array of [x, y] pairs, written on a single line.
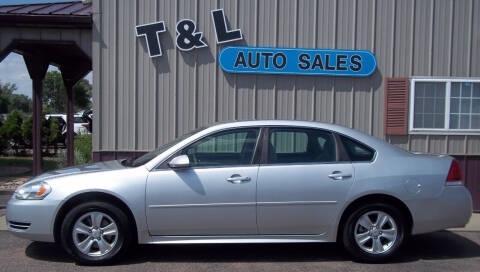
{"points": [[291, 123]]}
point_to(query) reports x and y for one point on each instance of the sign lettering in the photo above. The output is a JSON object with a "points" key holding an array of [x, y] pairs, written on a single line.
{"points": [[293, 61]]}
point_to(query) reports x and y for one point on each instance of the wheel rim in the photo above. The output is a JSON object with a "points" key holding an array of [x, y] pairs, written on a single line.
{"points": [[95, 234], [376, 232]]}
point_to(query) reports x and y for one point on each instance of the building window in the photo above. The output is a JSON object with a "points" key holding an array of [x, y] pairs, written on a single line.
{"points": [[445, 105]]}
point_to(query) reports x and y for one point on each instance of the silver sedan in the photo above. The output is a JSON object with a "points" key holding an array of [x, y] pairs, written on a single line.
{"points": [[247, 182]]}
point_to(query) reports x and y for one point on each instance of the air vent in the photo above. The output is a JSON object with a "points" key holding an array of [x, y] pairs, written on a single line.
{"points": [[18, 225]]}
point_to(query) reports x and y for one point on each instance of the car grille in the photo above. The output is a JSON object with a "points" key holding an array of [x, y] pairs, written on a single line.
{"points": [[18, 225]]}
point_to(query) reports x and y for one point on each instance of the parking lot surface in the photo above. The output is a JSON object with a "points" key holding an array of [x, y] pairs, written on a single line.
{"points": [[441, 251]]}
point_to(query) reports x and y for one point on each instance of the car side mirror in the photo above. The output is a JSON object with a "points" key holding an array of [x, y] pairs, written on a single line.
{"points": [[181, 161]]}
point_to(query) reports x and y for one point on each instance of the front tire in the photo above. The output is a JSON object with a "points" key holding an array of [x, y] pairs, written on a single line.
{"points": [[374, 232], [95, 233]]}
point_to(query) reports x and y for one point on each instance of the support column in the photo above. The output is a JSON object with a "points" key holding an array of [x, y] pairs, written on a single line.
{"points": [[71, 75], [70, 122], [37, 68]]}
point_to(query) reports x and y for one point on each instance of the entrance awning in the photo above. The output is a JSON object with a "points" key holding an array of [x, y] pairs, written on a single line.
{"points": [[49, 34]]}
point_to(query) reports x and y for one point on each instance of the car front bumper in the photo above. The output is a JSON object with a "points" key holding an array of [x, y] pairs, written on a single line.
{"points": [[32, 219], [451, 209]]}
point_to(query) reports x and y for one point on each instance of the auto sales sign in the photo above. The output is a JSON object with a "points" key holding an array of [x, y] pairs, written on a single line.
{"points": [[261, 60]]}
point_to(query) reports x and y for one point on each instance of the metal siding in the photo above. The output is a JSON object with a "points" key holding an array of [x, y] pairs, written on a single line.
{"points": [[125, 68], [403, 37], [165, 67], [153, 100], [422, 34], [104, 123], [287, 37], [245, 85], [456, 145], [475, 40], [305, 86], [265, 86], [97, 77], [226, 82], [442, 38], [461, 32], [146, 89], [383, 48]]}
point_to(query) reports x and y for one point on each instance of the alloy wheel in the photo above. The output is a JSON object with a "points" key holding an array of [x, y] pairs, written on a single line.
{"points": [[375, 232], [95, 234]]}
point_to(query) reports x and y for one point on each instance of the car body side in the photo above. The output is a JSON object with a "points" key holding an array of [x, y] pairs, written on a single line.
{"points": [[418, 181]]}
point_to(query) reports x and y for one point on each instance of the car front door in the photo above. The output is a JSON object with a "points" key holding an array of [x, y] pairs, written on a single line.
{"points": [[214, 195], [301, 182]]}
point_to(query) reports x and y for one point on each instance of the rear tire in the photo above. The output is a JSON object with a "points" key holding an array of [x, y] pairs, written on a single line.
{"points": [[374, 232], [95, 233]]}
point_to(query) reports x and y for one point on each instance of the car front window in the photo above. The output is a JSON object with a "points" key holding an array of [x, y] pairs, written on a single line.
{"points": [[149, 156]]}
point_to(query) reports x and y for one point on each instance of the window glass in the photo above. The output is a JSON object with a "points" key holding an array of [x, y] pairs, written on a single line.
{"points": [[356, 150], [429, 103], [300, 146], [234, 147], [465, 105]]}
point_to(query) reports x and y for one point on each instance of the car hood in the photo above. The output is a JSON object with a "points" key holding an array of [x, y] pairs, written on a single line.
{"points": [[82, 169]]}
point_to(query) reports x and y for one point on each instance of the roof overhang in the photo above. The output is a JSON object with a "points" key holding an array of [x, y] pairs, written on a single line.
{"points": [[41, 21]]}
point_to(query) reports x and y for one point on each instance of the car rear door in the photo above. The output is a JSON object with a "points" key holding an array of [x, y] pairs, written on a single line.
{"points": [[301, 181], [215, 195]]}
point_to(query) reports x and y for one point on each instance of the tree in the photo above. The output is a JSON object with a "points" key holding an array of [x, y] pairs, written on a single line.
{"points": [[55, 94], [6, 91], [10, 101], [27, 130], [11, 129], [20, 102]]}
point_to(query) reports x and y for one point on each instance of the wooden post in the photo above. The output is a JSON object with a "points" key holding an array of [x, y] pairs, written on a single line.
{"points": [[70, 122], [37, 68]]}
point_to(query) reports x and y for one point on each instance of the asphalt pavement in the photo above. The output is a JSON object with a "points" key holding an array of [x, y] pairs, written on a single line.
{"points": [[441, 251]]}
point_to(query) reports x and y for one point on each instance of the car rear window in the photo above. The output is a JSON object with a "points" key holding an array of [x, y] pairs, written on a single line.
{"points": [[293, 145], [357, 151]]}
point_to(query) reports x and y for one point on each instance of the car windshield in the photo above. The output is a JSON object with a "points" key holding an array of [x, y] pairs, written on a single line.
{"points": [[149, 156]]}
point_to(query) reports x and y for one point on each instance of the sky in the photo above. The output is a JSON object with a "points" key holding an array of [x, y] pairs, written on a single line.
{"points": [[12, 68]]}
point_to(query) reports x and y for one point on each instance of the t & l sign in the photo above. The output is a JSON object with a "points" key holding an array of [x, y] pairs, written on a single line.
{"points": [[261, 60], [188, 36]]}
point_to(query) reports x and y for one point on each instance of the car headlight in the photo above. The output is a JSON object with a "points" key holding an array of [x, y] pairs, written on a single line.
{"points": [[33, 191]]}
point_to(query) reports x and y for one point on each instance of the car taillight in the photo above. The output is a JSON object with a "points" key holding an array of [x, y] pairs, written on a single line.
{"points": [[454, 174]]}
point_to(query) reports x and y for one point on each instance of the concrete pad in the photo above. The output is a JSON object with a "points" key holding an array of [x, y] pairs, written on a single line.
{"points": [[3, 223], [473, 224]]}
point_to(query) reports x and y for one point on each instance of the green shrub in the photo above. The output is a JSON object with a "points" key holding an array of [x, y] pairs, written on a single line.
{"points": [[83, 148], [27, 126], [11, 129], [3, 140]]}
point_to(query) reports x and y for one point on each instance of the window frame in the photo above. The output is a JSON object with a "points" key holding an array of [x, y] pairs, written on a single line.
{"points": [[446, 130]]}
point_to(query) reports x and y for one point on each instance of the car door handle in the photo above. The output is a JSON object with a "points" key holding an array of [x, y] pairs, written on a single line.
{"points": [[338, 175], [237, 179]]}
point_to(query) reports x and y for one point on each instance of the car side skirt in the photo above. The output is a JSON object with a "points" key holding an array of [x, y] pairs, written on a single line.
{"points": [[240, 239]]}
